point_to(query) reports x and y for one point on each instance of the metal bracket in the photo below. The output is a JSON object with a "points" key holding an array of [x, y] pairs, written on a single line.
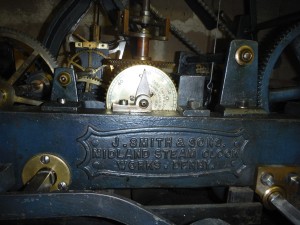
{"points": [[277, 179], [64, 85], [240, 79]]}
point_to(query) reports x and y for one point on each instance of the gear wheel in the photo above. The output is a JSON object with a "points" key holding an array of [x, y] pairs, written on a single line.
{"points": [[33, 50], [88, 81], [269, 59], [125, 63], [31, 43], [91, 68]]}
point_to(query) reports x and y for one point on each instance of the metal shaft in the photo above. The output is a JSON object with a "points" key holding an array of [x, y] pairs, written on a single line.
{"points": [[41, 182], [286, 208], [146, 5]]}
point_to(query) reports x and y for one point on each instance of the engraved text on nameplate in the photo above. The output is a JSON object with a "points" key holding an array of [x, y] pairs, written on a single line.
{"points": [[162, 152]]}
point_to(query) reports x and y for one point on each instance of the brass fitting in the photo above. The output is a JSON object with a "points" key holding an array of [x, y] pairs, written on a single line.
{"points": [[244, 55]]}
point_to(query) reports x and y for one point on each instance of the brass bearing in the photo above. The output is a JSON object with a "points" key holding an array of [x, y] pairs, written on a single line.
{"points": [[48, 162], [244, 55]]}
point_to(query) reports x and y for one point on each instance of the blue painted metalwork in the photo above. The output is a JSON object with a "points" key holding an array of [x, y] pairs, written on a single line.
{"points": [[240, 82], [54, 205], [267, 66], [60, 91], [120, 151], [7, 177]]}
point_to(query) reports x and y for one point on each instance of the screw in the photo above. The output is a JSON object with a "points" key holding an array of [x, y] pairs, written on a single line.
{"points": [[267, 179], [246, 56], [132, 98], [144, 103], [294, 179], [62, 101], [244, 104], [193, 104], [62, 186], [123, 102], [45, 159]]}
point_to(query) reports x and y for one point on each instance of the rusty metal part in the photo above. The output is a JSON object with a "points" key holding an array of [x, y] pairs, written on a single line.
{"points": [[277, 179], [244, 55], [45, 161]]}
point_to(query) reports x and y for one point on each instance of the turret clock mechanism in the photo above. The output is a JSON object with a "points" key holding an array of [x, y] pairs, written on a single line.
{"points": [[111, 135]]}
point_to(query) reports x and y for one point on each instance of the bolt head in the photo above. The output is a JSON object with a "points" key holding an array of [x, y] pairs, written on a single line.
{"points": [[144, 104], [294, 179], [62, 101], [246, 56], [62, 186], [123, 102], [267, 179], [192, 104], [45, 159]]}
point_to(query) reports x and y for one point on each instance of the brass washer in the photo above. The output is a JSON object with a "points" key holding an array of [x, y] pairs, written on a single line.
{"points": [[240, 58], [266, 197], [55, 164]]}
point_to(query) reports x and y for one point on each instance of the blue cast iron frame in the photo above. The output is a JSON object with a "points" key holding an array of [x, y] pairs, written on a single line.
{"points": [[107, 150]]}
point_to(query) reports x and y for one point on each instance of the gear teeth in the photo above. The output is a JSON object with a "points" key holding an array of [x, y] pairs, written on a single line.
{"points": [[90, 80], [32, 43], [269, 57]]}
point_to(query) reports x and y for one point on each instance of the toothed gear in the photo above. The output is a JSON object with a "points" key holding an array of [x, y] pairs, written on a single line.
{"points": [[24, 42], [131, 62], [30, 42], [72, 62], [90, 80], [269, 60]]}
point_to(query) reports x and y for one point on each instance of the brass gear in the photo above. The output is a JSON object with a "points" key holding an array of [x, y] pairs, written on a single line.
{"points": [[125, 63], [89, 70], [88, 81]]}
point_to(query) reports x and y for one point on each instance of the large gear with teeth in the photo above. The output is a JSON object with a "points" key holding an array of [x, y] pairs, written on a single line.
{"points": [[269, 59], [32, 51]]}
